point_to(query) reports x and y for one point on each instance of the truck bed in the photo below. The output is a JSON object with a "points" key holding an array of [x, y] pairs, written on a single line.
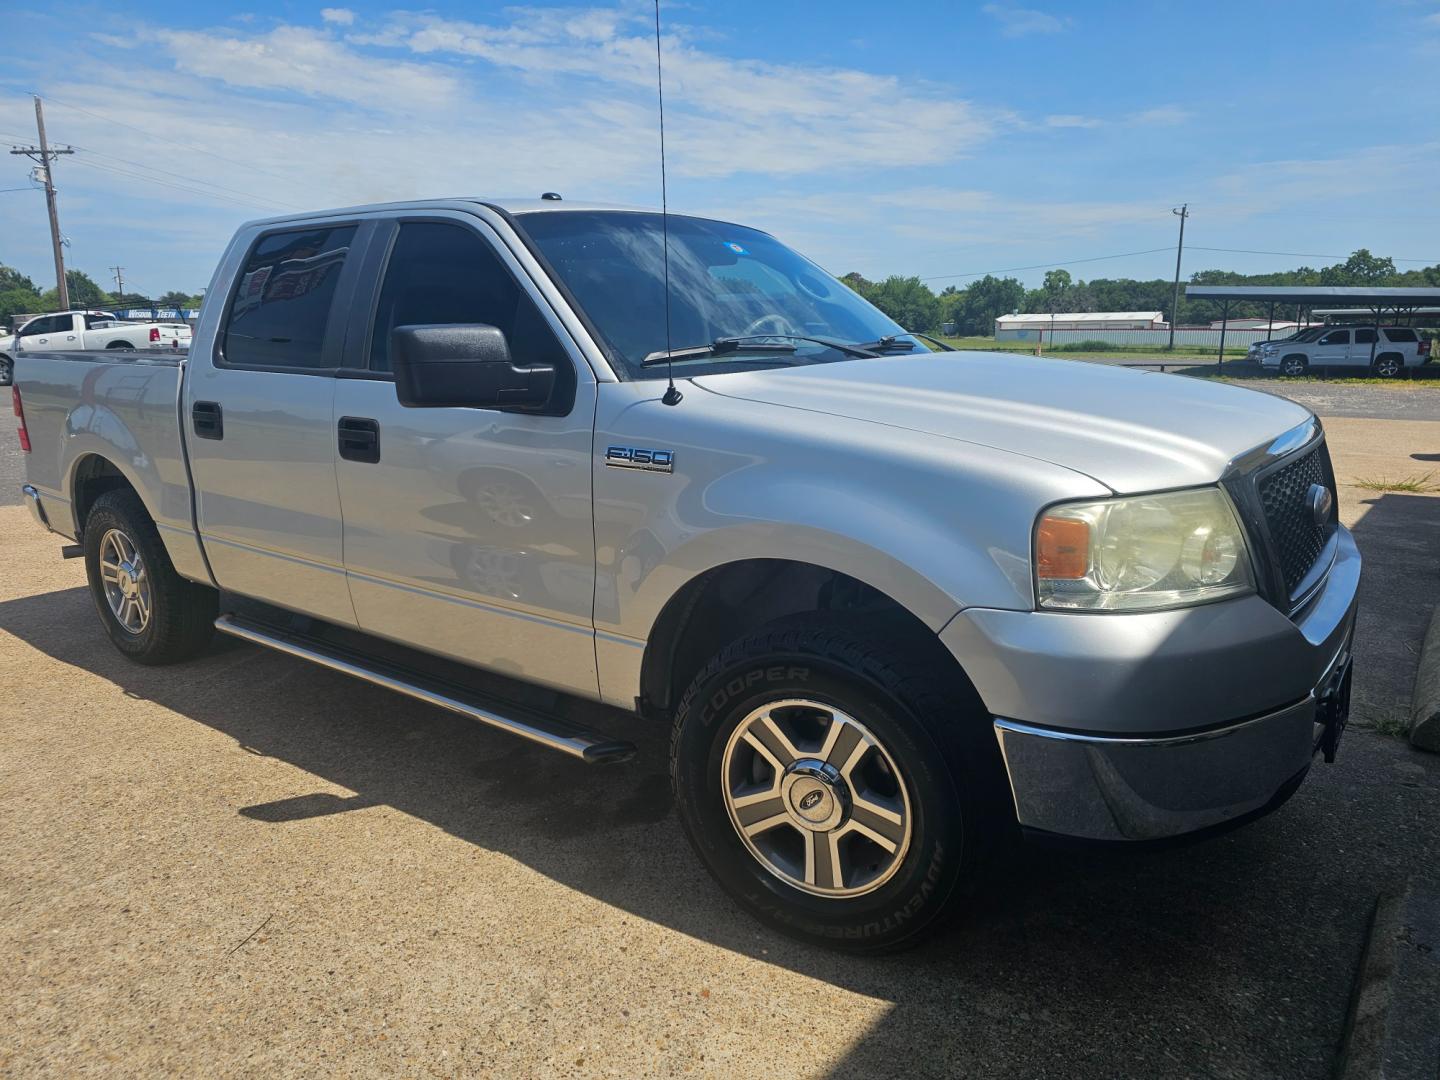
{"points": [[83, 409]]}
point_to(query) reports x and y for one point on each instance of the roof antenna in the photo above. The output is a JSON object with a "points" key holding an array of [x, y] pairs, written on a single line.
{"points": [[672, 393]]}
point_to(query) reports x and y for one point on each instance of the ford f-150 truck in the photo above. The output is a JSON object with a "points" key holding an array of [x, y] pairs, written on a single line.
{"points": [[892, 606]]}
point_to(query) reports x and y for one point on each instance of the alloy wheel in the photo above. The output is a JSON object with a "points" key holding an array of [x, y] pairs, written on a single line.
{"points": [[816, 798], [122, 575]]}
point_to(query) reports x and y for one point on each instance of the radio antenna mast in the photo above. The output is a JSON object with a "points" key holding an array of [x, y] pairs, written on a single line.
{"points": [[672, 393]]}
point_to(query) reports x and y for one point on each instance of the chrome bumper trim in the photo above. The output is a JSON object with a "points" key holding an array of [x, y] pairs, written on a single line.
{"points": [[1142, 788], [37, 510]]}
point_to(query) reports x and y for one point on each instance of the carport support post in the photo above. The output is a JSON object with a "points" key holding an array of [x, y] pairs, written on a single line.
{"points": [[1375, 339], [1224, 321], [1270, 324]]}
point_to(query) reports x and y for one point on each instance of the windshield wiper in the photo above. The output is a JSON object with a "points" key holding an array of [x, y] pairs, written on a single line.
{"points": [[753, 343], [893, 343]]}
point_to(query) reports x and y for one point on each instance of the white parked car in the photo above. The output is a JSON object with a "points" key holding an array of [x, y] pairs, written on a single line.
{"points": [[66, 330], [1398, 347]]}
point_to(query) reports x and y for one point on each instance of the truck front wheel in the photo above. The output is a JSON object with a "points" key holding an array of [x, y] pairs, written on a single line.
{"points": [[152, 614], [826, 778]]}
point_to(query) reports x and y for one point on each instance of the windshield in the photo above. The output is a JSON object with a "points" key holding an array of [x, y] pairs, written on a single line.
{"points": [[726, 281]]}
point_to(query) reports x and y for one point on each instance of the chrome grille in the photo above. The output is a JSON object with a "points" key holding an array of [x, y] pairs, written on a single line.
{"points": [[1297, 540]]}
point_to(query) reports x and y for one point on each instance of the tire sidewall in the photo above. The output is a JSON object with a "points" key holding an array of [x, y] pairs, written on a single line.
{"points": [[105, 516], [938, 856]]}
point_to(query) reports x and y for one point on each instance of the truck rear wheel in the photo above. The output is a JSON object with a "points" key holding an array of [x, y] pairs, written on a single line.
{"points": [[152, 614], [825, 779]]}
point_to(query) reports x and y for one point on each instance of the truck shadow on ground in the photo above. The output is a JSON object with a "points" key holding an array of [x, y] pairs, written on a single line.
{"points": [[1233, 956]]}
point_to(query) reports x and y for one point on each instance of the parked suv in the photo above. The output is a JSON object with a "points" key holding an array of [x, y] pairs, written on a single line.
{"points": [[1397, 348], [890, 607]]}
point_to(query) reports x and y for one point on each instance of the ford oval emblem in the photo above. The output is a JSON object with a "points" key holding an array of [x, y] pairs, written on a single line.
{"points": [[808, 801], [1320, 501]]}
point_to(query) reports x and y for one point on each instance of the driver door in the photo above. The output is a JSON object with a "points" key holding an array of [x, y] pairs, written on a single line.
{"points": [[467, 531]]}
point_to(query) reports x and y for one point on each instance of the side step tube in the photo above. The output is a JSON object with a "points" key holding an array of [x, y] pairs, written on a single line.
{"points": [[589, 746]]}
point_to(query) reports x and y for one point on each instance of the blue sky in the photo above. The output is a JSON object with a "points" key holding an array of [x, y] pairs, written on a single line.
{"points": [[929, 138]]}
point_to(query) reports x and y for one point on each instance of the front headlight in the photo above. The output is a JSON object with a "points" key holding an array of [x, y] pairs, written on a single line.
{"points": [[1140, 553]]}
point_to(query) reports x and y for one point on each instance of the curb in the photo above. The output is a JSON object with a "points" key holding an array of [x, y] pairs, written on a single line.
{"points": [[1425, 702], [1393, 1028]]}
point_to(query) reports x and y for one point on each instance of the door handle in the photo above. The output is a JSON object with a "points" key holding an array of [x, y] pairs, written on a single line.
{"points": [[208, 420], [359, 439]]}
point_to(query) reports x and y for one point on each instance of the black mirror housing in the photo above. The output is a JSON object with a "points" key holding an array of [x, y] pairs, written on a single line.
{"points": [[464, 365]]}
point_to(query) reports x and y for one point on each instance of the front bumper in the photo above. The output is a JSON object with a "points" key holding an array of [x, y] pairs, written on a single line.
{"points": [[1154, 725]]}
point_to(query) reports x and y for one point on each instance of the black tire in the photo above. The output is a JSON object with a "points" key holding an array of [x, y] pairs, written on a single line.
{"points": [[1388, 366], [181, 613], [7, 371], [1295, 364], [929, 721]]}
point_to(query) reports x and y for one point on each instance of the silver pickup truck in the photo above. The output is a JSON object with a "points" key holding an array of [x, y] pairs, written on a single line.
{"points": [[893, 605]]}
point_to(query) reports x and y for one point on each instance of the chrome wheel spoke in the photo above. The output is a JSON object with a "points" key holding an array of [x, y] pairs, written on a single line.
{"points": [[765, 823], [877, 823], [822, 860], [782, 749]]}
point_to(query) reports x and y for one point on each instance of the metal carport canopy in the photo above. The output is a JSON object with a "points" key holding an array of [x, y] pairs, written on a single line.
{"points": [[1311, 295], [1376, 300]]}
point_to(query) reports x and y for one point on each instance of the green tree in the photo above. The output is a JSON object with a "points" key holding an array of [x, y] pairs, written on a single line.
{"points": [[908, 301], [175, 299], [986, 300], [84, 293], [18, 301], [12, 279]]}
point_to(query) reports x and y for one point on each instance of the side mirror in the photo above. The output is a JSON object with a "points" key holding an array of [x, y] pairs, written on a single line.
{"points": [[464, 365]]}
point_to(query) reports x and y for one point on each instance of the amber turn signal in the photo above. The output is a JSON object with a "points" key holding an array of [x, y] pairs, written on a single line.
{"points": [[1062, 548]]}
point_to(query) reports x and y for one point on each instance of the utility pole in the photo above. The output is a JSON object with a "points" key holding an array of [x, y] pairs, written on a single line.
{"points": [[44, 155], [1182, 213], [119, 272]]}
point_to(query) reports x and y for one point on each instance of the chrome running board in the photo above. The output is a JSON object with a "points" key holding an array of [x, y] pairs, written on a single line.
{"points": [[589, 746]]}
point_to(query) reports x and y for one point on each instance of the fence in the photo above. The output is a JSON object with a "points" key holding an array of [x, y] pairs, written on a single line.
{"points": [[1201, 336]]}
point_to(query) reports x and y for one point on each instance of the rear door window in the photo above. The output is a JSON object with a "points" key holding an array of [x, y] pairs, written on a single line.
{"points": [[1364, 337], [278, 315]]}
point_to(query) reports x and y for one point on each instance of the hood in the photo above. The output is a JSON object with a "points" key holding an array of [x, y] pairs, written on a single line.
{"points": [[1132, 430]]}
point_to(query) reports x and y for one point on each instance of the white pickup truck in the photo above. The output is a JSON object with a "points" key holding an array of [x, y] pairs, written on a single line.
{"points": [[88, 330]]}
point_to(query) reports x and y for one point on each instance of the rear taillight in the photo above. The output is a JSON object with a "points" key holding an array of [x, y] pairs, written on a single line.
{"points": [[1425, 348], [154, 333], [20, 413]]}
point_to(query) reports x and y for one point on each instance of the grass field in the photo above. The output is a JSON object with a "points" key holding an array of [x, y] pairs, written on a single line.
{"points": [[1200, 361], [1113, 352]]}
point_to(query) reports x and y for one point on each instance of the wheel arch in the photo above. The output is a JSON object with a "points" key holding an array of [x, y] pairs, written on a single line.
{"points": [[92, 475], [735, 598]]}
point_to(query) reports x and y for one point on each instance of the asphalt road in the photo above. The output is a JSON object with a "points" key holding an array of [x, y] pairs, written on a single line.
{"points": [[249, 866]]}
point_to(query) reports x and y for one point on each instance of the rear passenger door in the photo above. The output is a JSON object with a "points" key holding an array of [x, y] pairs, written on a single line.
{"points": [[259, 421], [468, 530], [1361, 346], [1332, 349]]}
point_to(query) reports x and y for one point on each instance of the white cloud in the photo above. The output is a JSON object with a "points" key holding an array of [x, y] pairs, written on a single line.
{"points": [[309, 62], [1070, 120], [1161, 116], [1021, 22], [338, 15]]}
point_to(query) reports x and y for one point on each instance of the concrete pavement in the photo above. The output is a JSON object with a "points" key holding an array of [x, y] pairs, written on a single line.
{"points": [[248, 866]]}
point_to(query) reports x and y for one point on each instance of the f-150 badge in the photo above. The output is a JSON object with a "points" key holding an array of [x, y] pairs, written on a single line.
{"points": [[634, 457]]}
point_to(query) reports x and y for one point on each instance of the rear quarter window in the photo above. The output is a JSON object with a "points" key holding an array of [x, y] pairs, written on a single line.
{"points": [[1401, 335], [278, 314]]}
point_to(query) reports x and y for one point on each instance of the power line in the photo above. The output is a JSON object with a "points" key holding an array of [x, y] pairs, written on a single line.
{"points": [[176, 142], [188, 179], [1296, 254], [1045, 266], [164, 183]]}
